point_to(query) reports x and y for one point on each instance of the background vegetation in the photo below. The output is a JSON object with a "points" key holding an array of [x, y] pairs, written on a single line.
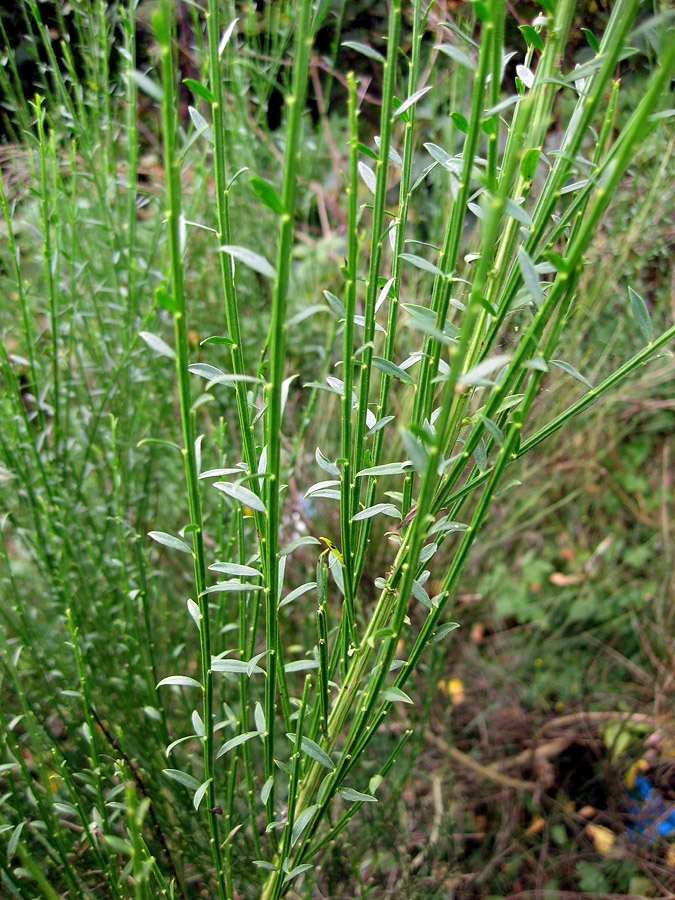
{"points": [[510, 772]]}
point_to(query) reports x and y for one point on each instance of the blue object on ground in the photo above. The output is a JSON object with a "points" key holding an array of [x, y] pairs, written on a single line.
{"points": [[653, 815]]}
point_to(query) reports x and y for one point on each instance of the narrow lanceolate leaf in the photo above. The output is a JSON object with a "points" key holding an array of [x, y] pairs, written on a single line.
{"points": [[420, 263], [297, 870], [356, 796], [368, 177], [199, 90], [302, 822], [530, 277], [394, 694], [301, 665], [199, 793], [242, 494], [267, 194], [314, 751], [411, 100], [236, 741], [235, 569], [364, 49], [323, 461], [170, 541], [385, 509], [441, 632], [182, 778], [233, 666], [157, 344], [251, 259], [389, 368], [456, 55], [641, 313], [566, 367], [200, 123], [183, 680], [478, 375], [394, 468]]}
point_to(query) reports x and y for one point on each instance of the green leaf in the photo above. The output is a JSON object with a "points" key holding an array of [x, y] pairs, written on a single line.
{"points": [[164, 298], [480, 455], [386, 509], [182, 778], [532, 37], [301, 665], [394, 695], [298, 542], [298, 592], [251, 259], [170, 541], [441, 632], [516, 211], [265, 792], [267, 194], [528, 164], [456, 55], [202, 127], [566, 367], [199, 90], [356, 796], [183, 680], [477, 375], [367, 151], [411, 100], [236, 741], [364, 49], [199, 793], [148, 86], [328, 467], [297, 870], [232, 666], [421, 263], [641, 313], [394, 468], [416, 452], [592, 40], [314, 751], [302, 822], [460, 121], [389, 368], [217, 339], [368, 177], [235, 569], [530, 276], [157, 344], [241, 494]]}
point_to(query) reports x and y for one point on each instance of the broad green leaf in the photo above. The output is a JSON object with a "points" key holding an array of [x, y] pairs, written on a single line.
{"points": [[385, 509], [394, 694], [411, 100], [364, 49], [170, 541], [314, 751], [183, 680], [641, 313], [182, 778], [457, 56], [566, 367], [420, 263], [302, 822], [199, 793], [241, 494], [236, 742], [460, 121], [530, 277], [251, 259], [267, 194], [166, 300], [199, 90], [592, 40], [157, 344], [394, 371]]}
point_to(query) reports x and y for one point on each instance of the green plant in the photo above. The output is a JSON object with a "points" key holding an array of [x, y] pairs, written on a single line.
{"points": [[333, 668]]}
